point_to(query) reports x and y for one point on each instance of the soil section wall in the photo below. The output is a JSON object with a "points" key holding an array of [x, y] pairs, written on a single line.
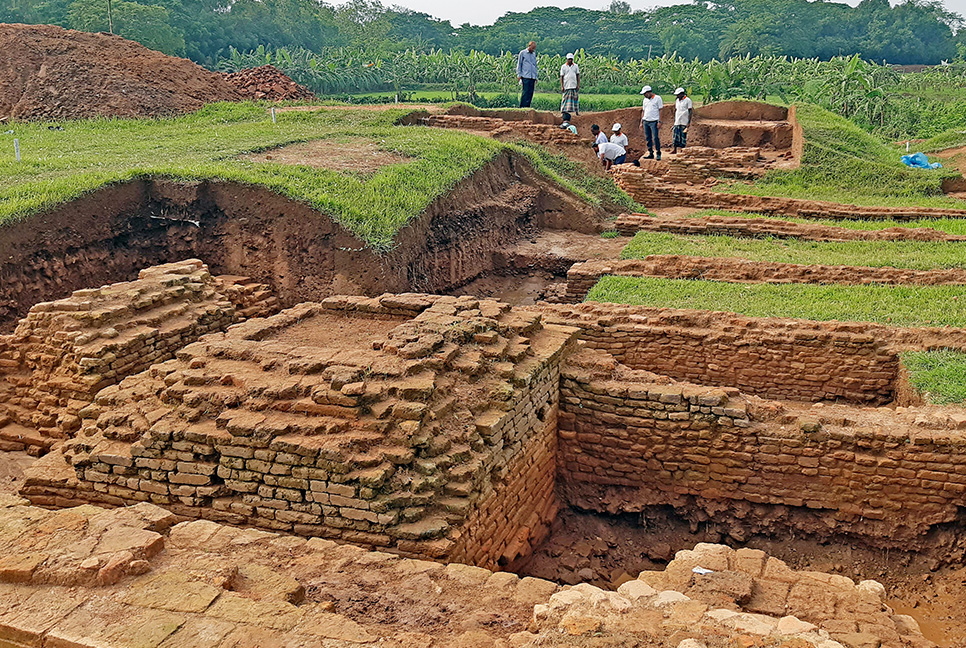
{"points": [[303, 255]]}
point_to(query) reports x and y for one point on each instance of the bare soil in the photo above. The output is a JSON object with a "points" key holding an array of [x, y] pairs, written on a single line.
{"points": [[52, 73], [334, 331], [360, 156], [609, 550], [12, 465]]}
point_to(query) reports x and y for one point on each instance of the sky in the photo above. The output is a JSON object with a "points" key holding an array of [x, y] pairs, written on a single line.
{"points": [[485, 13]]}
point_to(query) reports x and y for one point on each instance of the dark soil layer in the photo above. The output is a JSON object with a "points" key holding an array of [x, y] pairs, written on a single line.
{"points": [[48, 72], [608, 550], [111, 234]]}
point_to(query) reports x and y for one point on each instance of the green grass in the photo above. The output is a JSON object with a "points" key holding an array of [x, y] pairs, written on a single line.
{"points": [[891, 305], [955, 226], [60, 165], [843, 163], [589, 102], [939, 376], [917, 255], [952, 138]]}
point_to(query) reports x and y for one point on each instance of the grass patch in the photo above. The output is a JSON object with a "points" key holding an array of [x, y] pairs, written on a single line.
{"points": [[891, 305], [939, 376], [843, 163], [952, 138], [917, 255], [61, 165], [955, 226]]}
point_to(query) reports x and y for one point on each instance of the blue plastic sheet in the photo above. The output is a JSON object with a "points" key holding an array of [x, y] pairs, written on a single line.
{"points": [[919, 161]]}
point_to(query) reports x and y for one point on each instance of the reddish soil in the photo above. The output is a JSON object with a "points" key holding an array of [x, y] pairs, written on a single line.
{"points": [[609, 550], [52, 73], [267, 82], [12, 465], [357, 155]]}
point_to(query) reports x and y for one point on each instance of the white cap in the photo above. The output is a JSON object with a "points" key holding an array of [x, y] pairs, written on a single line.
{"points": [[570, 56], [616, 127], [645, 89], [679, 91]]}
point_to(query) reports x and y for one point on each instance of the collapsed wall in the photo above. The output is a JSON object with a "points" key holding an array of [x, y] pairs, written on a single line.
{"points": [[424, 424], [109, 235], [64, 352]]}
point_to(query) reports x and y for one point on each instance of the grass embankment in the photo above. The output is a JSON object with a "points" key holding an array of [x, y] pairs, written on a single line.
{"points": [[843, 163], [589, 102], [60, 165], [955, 226], [939, 376], [890, 305], [917, 255]]}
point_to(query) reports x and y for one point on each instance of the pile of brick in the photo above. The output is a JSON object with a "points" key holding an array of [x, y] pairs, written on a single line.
{"points": [[427, 424], [695, 164], [501, 129], [715, 594], [463, 122], [269, 83]]}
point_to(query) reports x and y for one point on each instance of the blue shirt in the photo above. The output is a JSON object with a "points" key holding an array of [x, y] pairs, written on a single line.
{"points": [[527, 65]]}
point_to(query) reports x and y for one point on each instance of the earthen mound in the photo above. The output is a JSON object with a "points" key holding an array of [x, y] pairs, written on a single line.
{"points": [[267, 82], [53, 73]]}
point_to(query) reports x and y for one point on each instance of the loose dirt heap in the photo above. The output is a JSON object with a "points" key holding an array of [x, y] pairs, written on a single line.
{"points": [[267, 82], [53, 73]]}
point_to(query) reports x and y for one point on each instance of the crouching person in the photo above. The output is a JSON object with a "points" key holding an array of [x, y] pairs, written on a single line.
{"points": [[610, 154]]}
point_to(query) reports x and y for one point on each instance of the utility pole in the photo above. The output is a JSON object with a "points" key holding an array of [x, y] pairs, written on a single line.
{"points": [[110, 17]]}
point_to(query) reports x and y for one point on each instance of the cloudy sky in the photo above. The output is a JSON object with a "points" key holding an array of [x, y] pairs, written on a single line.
{"points": [[484, 13]]}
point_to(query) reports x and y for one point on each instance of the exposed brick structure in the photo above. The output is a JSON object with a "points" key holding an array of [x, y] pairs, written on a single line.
{"points": [[630, 224], [422, 423], [581, 277], [64, 352]]}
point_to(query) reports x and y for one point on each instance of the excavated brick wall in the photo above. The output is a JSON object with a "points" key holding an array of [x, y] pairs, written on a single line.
{"points": [[626, 445], [582, 276], [64, 352], [431, 432], [771, 358]]}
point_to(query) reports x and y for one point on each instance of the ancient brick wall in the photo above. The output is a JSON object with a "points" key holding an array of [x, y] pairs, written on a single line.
{"points": [[626, 445], [64, 352], [582, 276], [421, 423], [771, 358]]}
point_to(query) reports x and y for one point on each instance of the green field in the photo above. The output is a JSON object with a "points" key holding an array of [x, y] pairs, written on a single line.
{"points": [[60, 165], [589, 102], [955, 226], [844, 163], [892, 305], [939, 376], [917, 255]]}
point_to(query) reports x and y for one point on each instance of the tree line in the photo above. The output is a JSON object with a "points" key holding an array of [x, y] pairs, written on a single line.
{"points": [[912, 32]]}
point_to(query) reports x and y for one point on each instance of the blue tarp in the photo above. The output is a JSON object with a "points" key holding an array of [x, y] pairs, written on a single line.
{"points": [[919, 161]]}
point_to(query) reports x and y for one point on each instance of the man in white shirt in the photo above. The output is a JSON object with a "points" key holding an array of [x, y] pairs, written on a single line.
{"points": [[599, 137], [651, 121], [570, 86], [610, 154], [683, 112], [618, 137]]}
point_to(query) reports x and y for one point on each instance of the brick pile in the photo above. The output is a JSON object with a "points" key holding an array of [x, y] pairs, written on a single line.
{"points": [[630, 224], [269, 83], [627, 443], [744, 597], [62, 353], [695, 164], [657, 193], [432, 433], [499, 128], [581, 277]]}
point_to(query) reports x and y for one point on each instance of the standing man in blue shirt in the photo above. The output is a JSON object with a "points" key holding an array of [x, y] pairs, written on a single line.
{"points": [[527, 73]]}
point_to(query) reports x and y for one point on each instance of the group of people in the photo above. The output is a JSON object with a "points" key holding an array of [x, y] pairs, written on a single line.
{"points": [[614, 150]]}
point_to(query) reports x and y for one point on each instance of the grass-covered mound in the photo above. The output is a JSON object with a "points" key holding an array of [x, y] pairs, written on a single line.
{"points": [[955, 226], [891, 305], [939, 376], [843, 163], [64, 162], [917, 255]]}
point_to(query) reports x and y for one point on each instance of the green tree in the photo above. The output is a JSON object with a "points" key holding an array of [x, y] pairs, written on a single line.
{"points": [[146, 24]]}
